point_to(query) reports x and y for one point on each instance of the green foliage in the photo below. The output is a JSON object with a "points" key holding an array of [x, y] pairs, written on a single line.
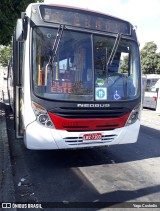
{"points": [[150, 59], [10, 11], [124, 65], [5, 55]]}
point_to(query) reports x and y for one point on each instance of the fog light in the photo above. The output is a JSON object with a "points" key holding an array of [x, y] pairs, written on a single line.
{"points": [[43, 118]]}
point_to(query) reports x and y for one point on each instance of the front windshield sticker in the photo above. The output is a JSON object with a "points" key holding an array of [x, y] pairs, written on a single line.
{"points": [[117, 96], [101, 93], [100, 81]]}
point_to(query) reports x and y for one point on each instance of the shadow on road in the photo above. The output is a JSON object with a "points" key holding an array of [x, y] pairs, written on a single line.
{"points": [[56, 176]]}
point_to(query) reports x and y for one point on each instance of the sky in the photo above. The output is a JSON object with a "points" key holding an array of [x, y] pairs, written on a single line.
{"points": [[144, 14]]}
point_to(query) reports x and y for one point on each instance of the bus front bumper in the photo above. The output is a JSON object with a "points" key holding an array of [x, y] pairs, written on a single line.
{"points": [[38, 137]]}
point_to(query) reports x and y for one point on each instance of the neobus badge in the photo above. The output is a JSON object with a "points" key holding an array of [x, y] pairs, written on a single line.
{"points": [[94, 105]]}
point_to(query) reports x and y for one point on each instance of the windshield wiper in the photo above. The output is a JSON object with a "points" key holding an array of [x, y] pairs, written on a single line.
{"points": [[114, 49], [49, 66]]}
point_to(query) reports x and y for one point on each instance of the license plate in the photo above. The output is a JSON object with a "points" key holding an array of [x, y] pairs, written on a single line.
{"points": [[92, 137]]}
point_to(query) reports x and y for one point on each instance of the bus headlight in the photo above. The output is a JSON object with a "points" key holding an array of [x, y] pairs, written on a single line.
{"points": [[135, 114], [42, 115]]}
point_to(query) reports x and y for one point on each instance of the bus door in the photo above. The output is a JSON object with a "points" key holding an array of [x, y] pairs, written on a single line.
{"points": [[17, 77]]}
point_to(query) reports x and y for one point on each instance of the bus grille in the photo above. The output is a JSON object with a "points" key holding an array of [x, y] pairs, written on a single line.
{"points": [[79, 140], [67, 112]]}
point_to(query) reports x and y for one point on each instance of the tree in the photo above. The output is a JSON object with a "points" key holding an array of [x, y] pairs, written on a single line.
{"points": [[157, 62], [10, 11], [5, 55], [150, 60], [124, 65]]}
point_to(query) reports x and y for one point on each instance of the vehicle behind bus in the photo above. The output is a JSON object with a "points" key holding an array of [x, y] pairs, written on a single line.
{"points": [[151, 91]]}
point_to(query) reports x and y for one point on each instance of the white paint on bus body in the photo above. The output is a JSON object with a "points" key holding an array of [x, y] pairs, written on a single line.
{"points": [[38, 137]]}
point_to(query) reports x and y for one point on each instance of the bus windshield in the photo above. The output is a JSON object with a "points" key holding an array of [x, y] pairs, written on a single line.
{"points": [[83, 69]]}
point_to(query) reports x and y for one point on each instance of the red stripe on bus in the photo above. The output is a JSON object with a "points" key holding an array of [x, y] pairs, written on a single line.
{"points": [[89, 124]]}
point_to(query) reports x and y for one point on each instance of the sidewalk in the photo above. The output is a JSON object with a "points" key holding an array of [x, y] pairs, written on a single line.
{"points": [[6, 180], [150, 118], [7, 193]]}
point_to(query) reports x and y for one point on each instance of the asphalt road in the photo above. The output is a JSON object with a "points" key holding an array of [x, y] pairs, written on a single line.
{"points": [[121, 173]]}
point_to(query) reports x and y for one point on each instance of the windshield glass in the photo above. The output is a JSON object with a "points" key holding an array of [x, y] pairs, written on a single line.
{"points": [[116, 78], [81, 71]]}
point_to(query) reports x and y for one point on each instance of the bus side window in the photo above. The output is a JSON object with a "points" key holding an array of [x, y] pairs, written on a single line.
{"points": [[148, 85]]}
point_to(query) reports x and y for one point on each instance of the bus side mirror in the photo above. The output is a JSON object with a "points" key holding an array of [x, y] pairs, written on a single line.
{"points": [[24, 24], [21, 28]]}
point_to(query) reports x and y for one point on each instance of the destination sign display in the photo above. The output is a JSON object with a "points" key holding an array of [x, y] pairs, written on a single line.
{"points": [[84, 19]]}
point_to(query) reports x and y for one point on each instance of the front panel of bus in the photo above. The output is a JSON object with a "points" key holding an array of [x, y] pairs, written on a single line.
{"points": [[84, 82]]}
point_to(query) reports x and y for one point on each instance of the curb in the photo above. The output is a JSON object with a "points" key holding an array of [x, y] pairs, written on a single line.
{"points": [[7, 191]]}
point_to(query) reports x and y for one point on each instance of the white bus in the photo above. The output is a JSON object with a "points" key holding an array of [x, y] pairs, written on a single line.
{"points": [[151, 91], [69, 88]]}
